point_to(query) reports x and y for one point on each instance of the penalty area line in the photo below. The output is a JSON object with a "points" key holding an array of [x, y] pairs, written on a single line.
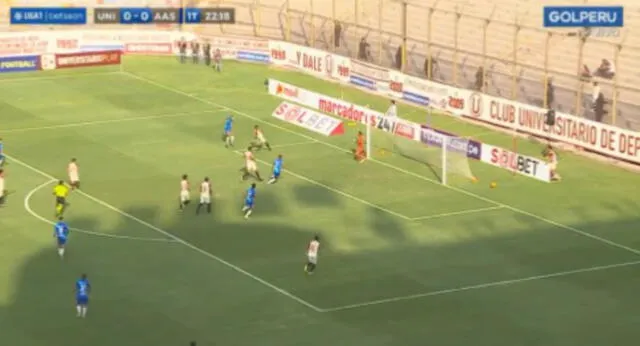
{"points": [[27, 207], [178, 240], [482, 286], [339, 192], [456, 213], [396, 168]]}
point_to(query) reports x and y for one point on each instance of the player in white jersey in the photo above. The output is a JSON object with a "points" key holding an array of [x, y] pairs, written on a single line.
{"points": [[552, 159], [205, 196], [3, 192], [392, 111], [74, 174], [312, 255], [259, 140], [250, 166], [185, 192]]}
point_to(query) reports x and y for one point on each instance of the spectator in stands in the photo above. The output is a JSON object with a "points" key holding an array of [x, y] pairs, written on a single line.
{"points": [[595, 92], [551, 92], [598, 107], [585, 74], [427, 73], [480, 76], [364, 52], [606, 69], [337, 33], [399, 58]]}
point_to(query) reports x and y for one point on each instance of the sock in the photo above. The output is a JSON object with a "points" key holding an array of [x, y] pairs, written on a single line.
{"points": [[84, 311], [258, 176], [181, 205], [311, 267], [79, 310], [268, 146], [271, 181], [231, 140], [59, 208], [198, 208], [61, 252], [209, 208], [246, 215]]}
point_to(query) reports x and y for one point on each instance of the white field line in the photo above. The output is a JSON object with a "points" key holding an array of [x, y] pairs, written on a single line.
{"points": [[456, 213], [27, 206], [112, 121], [453, 188], [66, 76], [481, 286], [339, 192], [177, 239]]}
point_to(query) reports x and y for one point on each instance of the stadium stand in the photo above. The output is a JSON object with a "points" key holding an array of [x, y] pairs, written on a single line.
{"points": [[457, 43]]}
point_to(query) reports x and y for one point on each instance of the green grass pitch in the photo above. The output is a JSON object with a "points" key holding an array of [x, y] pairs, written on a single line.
{"points": [[405, 261]]}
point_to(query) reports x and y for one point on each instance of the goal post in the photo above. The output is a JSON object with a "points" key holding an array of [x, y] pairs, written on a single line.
{"points": [[443, 154]]}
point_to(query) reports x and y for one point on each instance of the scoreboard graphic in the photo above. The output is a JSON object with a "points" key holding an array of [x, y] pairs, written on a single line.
{"points": [[132, 15]]}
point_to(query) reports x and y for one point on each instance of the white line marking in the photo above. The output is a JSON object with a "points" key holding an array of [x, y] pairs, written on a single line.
{"points": [[453, 188], [112, 121], [481, 286], [27, 206], [455, 213], [341, 193], [41, 78], [293, 144], [179, 240]]}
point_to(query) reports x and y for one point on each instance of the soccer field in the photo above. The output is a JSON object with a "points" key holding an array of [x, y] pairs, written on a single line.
{"points": [[404, 260]]}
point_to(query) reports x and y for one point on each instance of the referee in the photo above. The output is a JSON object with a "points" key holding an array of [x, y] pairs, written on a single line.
{"points": [[60, 191]]}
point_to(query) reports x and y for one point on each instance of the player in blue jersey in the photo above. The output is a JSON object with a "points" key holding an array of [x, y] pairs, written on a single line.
{"points": [[83, 289], [249, 201], [277, 169], [227, 136], [2, 158], [61, 233]]}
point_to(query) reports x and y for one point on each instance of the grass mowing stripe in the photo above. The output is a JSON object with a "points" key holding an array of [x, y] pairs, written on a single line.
{"points": [[177, 239], [453, 188], [481, 286], [35, 79], [111, 121]]}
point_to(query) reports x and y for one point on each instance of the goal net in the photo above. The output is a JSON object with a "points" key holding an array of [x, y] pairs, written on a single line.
{"points": [[445, 155]]}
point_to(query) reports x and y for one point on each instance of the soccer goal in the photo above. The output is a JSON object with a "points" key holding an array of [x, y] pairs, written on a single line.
{"points": [[444, 155]]}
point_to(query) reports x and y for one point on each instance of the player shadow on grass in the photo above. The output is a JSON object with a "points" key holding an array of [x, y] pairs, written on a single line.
{"points": [[166, 293]]}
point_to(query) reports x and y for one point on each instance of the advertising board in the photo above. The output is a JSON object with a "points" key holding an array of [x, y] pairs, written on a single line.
{"points": [[86, 59], [524, 165], [20, 63], [308, 119]]}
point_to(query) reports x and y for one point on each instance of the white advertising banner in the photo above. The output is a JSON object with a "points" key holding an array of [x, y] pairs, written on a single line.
{"points": [[308, 119], [312, 61], [524, 165], [584, 133]]}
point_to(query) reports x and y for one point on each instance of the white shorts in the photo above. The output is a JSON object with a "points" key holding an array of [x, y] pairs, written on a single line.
{"points": [[553, 166], [313, 259], [251, 166], [74, 178], [262, 140], [185, 196], [205, 199]]}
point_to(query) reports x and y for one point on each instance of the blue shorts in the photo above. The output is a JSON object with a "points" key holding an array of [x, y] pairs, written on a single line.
{"points": [[62, 241], [276, 174], [248, 204], [82, 300]]}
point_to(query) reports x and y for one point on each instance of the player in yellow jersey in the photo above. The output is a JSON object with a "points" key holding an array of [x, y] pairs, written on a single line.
{"points": [[60, 191]]}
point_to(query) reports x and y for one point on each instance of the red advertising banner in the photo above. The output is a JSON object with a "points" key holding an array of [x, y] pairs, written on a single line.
{"points": [[88, 59]]}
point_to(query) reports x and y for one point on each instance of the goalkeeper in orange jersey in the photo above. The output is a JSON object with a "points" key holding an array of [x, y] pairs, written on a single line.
{"points": [[360, 153]]}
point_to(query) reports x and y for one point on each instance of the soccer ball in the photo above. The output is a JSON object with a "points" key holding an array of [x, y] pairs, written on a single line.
{"points": [[493, 185]]}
